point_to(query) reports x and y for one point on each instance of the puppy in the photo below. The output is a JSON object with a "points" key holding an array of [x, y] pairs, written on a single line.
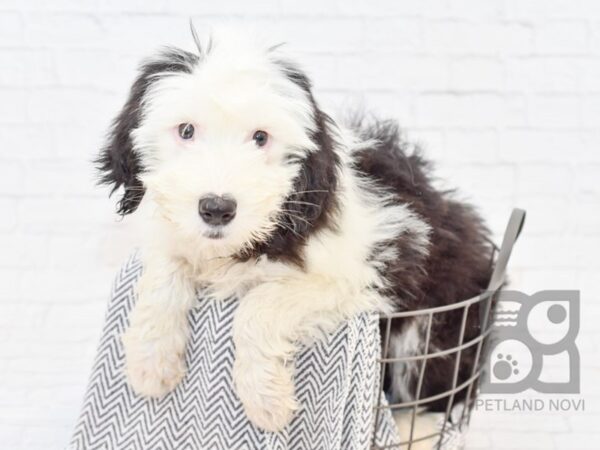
{"points": [[251, 190]]}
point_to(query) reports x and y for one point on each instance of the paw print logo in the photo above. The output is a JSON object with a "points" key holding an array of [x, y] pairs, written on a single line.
{"points": [[510, 363], [528, 332], [505, 367]]}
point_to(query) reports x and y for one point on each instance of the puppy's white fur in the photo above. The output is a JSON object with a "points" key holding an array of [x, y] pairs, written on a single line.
{"points": [[234, 91], [426, 424]]}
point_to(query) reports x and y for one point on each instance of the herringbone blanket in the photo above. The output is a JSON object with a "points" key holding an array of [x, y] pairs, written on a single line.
{"points": [[335, 381]]}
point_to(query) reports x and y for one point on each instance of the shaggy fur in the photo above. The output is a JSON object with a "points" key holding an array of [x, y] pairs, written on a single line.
{"points": [[456, 267], [331, 220]]}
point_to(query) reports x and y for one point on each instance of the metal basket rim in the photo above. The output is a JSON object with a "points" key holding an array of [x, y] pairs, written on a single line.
{"points": [[437, 309], [498, 263]]}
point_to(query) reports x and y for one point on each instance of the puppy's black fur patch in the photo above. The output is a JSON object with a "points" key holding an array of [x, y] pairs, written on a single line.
{"points": [[118, 164], [456, 268]]}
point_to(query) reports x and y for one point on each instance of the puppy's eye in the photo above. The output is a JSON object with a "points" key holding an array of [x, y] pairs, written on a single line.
{"points": [[260, 138], [186, 131]]}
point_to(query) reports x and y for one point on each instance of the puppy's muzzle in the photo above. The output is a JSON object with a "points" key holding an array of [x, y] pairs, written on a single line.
{"points": [[216, 210]]}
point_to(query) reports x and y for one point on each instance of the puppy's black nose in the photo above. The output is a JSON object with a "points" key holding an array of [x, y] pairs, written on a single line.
{"points": [[216, 210]]}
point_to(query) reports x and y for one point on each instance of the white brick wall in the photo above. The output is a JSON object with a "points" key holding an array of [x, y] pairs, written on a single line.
{"points": [[504, 94]]}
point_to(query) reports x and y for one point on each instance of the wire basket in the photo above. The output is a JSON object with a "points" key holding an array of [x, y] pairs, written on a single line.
{"points": [[468, 389]]}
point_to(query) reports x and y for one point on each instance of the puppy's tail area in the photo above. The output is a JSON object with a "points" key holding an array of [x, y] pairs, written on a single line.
{"points": [[426, 424]]}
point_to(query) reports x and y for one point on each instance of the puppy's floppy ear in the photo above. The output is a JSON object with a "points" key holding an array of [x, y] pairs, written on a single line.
{"points": [[118, 163], [314, 195], [313, 204]]}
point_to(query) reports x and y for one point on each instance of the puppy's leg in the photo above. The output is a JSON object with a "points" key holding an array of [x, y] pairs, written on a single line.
{"points": [[158, 329], [273, 319]]}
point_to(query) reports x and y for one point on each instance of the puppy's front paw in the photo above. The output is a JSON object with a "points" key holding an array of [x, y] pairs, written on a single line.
{"points": [[155, 366], [266, 390]]}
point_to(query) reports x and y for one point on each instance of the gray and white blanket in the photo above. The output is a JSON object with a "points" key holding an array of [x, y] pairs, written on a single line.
{"points": [[336, 382]]}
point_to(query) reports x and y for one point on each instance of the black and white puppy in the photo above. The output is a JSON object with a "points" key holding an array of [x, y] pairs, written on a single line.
{"points": [[250, 189]]}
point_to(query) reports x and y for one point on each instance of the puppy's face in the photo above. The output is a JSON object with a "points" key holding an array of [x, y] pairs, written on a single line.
{"points": [[220, 143]]}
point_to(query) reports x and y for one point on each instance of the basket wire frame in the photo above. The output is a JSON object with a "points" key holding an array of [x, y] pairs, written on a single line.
{"points": [[499, 260]]}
